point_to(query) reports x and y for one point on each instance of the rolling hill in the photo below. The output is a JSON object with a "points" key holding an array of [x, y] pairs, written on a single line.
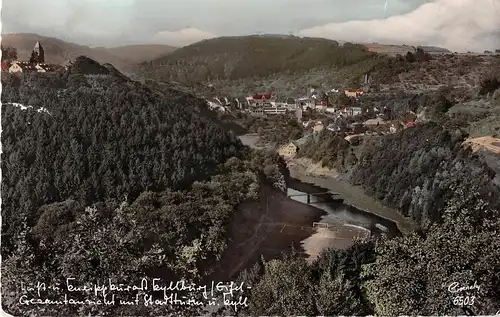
{"points": [[252, 56], [138, 53], [58, 51], [89, 136], [236, 65]]}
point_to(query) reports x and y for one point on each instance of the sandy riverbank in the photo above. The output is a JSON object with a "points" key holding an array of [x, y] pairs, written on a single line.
{"points": [[270, 226], [306, 171]]}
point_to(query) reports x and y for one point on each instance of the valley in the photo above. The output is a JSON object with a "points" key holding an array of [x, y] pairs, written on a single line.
{"points": [[316, 172]]}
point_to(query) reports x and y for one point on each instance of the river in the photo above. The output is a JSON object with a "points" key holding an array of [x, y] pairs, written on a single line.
{"points": [[358, 209], [338, 212]]}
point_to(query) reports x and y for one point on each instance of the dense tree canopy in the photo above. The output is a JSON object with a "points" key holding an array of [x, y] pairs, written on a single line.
{"points": [[413, 275], [9, 53], [329, 148], [418, 274], [413, 171], [330, 286], [102, 138], [104, 178]]}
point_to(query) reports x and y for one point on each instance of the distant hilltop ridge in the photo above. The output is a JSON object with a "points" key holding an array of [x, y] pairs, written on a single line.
{"points": [[374, 47], [58, 51], [392, 49]]}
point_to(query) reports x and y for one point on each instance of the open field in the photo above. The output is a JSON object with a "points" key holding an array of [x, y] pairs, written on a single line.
{"points": [[391, 50]]}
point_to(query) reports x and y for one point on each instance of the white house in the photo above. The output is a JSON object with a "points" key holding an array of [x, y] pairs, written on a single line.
{"points": [[356, 110], [21, 67], [353, 93], [274, 110], [215, 106]]}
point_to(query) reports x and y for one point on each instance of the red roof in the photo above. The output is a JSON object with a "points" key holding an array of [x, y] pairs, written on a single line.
{"points": [[262, 96], [5, 66], [410, 124]]}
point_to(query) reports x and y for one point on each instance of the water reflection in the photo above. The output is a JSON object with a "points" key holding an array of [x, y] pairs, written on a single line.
{"points": [[346, 214]]}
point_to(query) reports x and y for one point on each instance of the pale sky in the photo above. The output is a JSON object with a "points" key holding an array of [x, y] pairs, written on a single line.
{"points": [[455, 24]]}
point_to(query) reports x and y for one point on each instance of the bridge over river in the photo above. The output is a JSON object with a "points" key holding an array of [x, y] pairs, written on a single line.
{"points": [[312, 198], [351, 218]]}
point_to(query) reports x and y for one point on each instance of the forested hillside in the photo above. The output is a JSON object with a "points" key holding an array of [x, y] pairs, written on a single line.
{"points": [[430, 176], [419, 274], [413, 171], [237, 65], [57, 51], [451, 193], [416, 170], [104, 138], [93, 161]]}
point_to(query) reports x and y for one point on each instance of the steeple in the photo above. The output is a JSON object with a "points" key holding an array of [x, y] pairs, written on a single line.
{"points": [[38, 54]]}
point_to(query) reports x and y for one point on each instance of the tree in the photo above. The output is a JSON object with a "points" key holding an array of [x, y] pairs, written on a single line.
{"points": [[489, 85], [410, 57], [413, 275], [338, 282], [421, 55], [343, 100], [284, 289], [9, 53]]}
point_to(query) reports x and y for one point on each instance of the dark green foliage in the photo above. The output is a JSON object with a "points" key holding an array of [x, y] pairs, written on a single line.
{"points": [[9, 53], [103, 139], [421, 55], [411, 275], [329, 148], [337, 276], [242, 57], [274, 130], [168, 234], [413, 171], [237, 66], [340, 100], [284, 289], [439, 107], [489, 85], [331, 286], [106, 139], [85, 65], [410, 57]]}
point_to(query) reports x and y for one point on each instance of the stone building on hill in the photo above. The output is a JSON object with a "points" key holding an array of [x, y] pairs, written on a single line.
{"points": [[38, 54], [36, 63]]}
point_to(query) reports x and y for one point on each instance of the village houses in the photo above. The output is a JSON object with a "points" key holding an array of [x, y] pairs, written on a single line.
{"points": [[36, 63]]}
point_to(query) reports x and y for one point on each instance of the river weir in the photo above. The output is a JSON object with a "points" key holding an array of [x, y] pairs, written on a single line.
{"points": [[308, 217], [338, 212]]}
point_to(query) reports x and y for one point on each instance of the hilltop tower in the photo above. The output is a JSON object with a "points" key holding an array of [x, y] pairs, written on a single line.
{"points": [[38, 54]]}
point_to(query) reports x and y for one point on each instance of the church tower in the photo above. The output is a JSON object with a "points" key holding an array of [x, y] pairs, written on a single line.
{"points": [[38, 54]]}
